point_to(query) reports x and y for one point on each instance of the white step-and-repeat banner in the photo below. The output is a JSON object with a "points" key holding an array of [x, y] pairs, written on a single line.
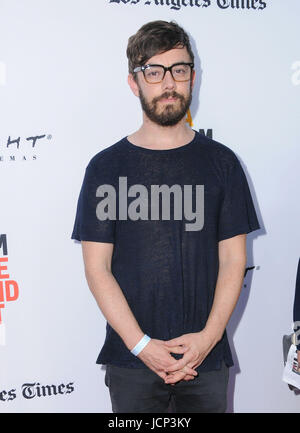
{"points": [[63, 98]]}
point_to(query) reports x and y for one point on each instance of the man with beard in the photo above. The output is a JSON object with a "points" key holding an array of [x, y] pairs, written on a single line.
{"points": [[166, 292]]}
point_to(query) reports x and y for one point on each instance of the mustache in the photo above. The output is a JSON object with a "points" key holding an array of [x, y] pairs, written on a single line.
{"points": [[166, 95]]}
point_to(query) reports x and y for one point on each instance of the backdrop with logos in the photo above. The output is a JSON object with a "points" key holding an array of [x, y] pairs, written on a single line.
{"points": [[64, 97]]}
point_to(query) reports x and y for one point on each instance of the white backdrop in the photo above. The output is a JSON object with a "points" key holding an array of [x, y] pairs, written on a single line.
{"points": [[63, 98]]}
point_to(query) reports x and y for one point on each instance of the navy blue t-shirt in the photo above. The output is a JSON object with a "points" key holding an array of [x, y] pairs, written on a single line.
{"points": [[167, 272]]}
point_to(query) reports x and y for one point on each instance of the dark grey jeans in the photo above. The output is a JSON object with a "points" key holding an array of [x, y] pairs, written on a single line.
{"points": [[141, 390]]}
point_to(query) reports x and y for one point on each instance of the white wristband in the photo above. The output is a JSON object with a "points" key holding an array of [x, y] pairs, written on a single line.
{"points": [[140, 346]]}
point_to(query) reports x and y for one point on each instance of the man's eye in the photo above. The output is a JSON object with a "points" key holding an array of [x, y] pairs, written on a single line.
{"points": [[180, 71]]}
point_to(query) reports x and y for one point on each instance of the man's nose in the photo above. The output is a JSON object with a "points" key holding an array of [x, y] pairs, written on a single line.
{"points": [[168, 81]]}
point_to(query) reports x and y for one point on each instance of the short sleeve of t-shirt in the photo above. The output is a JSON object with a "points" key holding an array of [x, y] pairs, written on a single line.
{"points": [[87, 226], [237, 213]]}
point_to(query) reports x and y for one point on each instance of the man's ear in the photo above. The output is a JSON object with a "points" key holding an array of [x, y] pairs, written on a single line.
{"points": [[133, 85]]}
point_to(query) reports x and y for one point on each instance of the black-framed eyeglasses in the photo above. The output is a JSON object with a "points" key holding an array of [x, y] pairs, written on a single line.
{"points": [[156, 73]]}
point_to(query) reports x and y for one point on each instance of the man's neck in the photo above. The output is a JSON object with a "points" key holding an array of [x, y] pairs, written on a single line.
{"points": [[153, 136]]}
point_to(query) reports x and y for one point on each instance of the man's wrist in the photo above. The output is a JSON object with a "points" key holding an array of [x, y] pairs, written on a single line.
{"points": [[140, 345], [212, 334], [132, 340]]}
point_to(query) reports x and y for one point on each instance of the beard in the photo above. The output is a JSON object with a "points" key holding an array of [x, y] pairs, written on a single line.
{"points": [[170, 115]]}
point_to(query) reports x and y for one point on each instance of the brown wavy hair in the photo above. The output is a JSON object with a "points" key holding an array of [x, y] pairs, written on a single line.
{"points": [[153, 38]]}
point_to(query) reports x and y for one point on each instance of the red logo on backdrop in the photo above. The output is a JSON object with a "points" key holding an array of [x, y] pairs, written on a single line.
{"points": [[9, 289]]}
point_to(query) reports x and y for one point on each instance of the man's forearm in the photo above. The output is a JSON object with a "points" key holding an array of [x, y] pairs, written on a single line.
{"points": [[228, 288], [117, 312], [114, 306]]}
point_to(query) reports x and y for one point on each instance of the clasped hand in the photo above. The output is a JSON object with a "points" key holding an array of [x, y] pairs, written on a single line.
{"points": [[194, 347]]}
